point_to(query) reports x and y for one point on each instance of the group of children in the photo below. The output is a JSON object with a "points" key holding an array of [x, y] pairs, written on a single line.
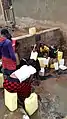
{"points": [[39, 50], [43, 51], [11, 61]]}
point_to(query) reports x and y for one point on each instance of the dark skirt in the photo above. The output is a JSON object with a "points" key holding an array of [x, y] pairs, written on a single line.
{"points": [[23, 89]]}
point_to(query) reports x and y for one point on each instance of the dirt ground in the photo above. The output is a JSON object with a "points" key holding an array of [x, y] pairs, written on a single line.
{"points": [[52, 92], [20, 32], [23, 25], [52, 101]]}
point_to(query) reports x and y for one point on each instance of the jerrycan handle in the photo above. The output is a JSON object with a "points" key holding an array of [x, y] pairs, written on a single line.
{"points": [[31, 96]]}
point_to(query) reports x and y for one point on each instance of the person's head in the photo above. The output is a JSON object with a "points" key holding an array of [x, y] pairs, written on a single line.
{"points": [[42, 45], [55, 47], [5, 33]]}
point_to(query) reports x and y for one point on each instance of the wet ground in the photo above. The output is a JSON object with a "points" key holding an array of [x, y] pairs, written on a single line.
{"points": [[23, 25], [52, 92], [52, 100]]}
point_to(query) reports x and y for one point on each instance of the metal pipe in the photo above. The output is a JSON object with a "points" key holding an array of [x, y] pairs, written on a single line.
{"points": [[2, 9], [7, 10]]}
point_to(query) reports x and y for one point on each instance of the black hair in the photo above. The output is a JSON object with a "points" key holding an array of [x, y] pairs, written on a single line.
{"points": [[55, 47], [6, 33]]}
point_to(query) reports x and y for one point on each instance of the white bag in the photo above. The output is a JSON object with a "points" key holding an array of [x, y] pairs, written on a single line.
{"points": [[41, 73], [24, 72]]}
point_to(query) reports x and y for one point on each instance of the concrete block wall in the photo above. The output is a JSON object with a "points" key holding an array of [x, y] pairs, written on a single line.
{"points": [[49, 37]]}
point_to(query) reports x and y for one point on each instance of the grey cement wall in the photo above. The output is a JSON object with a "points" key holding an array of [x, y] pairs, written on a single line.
{"points": [[49, 37], [53, 10]]}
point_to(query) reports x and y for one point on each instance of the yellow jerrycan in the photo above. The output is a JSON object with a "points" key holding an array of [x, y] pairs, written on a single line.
{"points": [[1, 80], [10, 100], [31, 104], [52, 66], [32, 31], [41, 61], [60, 55]]}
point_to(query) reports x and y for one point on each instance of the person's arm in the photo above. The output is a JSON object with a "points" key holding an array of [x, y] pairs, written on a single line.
{"points": [[0, 53], [11, 51]]}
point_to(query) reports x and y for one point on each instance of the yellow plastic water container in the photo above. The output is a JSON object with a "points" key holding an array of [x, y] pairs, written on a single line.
{"points": [[41, 49], [32, 30], [60, 55], [1, 80], [10, 100], [41, 61], [31, 104], [52, 66]]}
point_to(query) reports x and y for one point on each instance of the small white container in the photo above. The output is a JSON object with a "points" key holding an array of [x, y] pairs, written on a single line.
{"points": [[46, 61], [42, 71], [61, 62], [34, 55], [56, 66], [26, 117]]}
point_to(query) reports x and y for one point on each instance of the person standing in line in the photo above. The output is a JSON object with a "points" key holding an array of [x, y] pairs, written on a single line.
{"points": [[34, 61], [7, 54]]}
